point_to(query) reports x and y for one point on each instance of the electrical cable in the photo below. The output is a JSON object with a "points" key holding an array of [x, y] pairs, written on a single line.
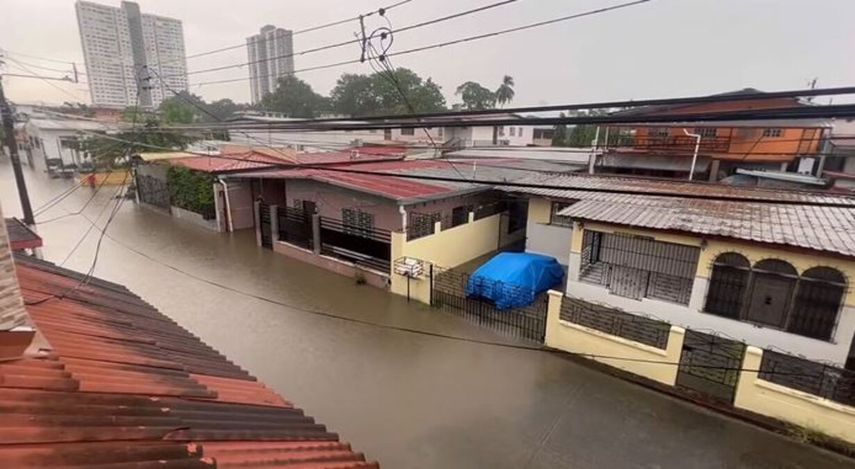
{"points": [[318, 312], [382, 12], [81, 209], [453, 42]]}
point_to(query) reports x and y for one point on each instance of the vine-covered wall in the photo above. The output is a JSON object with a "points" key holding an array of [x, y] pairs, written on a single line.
{"points": [[192, 191]]}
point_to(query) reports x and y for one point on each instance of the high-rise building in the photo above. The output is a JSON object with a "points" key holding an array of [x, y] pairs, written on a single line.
{"points": [[123, 48], [271, 56]]}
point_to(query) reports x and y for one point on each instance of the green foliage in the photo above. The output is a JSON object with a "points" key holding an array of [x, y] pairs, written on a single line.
{"points": [[559, 138], [475, 97], [376, 94], [177, 111], [296, 98], [190, 190], [505, 92], [146, 134]]}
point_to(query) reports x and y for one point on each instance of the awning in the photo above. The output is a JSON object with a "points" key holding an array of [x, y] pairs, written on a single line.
{"points": [[654, 162]]}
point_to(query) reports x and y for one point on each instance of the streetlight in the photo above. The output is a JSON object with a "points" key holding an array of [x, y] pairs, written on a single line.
{"points": [[695, 156]]}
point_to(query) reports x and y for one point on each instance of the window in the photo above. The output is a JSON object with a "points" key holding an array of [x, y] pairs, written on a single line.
{"points": [[658, 132], [513, 131], [772, 132], [502, 131], [357, 222], [408, 131], [555, 218], [460, 215], [771, 293], [706, 132], [639, 267], [520, 131], [421, 224]]}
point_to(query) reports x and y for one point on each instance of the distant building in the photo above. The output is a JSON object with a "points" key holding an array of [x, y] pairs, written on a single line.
{"points": [[271, 56], [122, 46], [666, 149]]}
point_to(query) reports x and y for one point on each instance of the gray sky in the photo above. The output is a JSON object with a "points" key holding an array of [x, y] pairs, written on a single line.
{"points": [[660, 49]]}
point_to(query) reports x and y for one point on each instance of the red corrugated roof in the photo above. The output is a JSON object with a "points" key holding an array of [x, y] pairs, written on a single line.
{"points": [[21, 236], [124, 384], [256, 159]]}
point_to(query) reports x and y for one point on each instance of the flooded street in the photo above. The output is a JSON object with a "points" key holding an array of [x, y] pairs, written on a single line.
{"points": [[409, 400]]}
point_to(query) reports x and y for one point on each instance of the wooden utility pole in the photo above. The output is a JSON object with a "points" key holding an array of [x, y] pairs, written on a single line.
{"points": [[9, 131]]}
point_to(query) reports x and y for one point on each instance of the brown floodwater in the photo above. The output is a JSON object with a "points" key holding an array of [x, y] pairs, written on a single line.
{"points": [[405, 399]]}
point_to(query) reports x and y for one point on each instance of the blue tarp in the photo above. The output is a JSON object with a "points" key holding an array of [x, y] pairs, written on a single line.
{"points": [[514, 279]]}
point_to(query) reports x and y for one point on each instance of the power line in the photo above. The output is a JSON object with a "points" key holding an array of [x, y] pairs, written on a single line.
{"points": [[453, 42], [39, 57], [497, 183], [302, 31], [348, 42], [318, 312]]}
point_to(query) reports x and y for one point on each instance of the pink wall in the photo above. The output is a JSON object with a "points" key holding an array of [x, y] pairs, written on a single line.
{"points": [[331, 199]]}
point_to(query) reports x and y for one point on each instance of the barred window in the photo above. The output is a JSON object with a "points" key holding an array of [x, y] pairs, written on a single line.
{"points": [[773, 132], [706, 132], [555, 218], [357, 222], [773, 294]]}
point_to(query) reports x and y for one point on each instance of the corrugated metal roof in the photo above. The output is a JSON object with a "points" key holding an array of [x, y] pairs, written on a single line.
{"points": [[408, 191], [21, 236], [71, 124], [829, 229], [572, 186], [125, 385]]}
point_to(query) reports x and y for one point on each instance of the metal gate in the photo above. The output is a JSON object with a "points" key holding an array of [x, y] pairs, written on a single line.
{"points": [[264, 223], [448, 291], [710, 366]]}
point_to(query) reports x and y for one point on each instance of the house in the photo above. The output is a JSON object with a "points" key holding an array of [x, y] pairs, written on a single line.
{"points": [[735, 260], [346, 221], [839, 166], [667, 149], [172, 181], [52, 143], [93, 376]]}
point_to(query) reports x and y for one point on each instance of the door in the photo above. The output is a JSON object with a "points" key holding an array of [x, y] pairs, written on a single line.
{"points": [[387, 134], [770, 298], [309, 208]]}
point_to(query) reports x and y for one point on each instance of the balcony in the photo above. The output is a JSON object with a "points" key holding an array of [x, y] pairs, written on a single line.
{"points": [[672, 143]]}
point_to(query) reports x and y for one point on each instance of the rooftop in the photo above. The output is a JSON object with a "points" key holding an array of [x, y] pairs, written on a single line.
{"points": [[121, 384], [407, 190], [21, 236], [240, 158]]}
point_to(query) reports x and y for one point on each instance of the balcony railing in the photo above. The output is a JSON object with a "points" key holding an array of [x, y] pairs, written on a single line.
{"points": [[675, 143]]}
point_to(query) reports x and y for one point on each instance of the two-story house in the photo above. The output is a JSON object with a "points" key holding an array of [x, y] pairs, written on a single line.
{"points": [[667, 150]]}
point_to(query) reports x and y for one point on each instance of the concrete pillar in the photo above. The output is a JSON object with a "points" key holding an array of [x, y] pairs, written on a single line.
{"points": [[747, 377], [316, 234], [553, 315], [784, 166], [714, 165], [256, 207], [274, 223]]}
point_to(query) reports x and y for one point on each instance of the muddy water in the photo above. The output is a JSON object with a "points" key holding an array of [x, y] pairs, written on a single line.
{"points": [[407, 400]]}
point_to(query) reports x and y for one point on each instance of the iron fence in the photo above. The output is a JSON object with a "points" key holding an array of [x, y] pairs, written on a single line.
{"points": [[615, 322], [368, 247], [831, 382], [153, 191], [449, 293], [295, 227], [710, 365], [488, 210], [264, 216]]}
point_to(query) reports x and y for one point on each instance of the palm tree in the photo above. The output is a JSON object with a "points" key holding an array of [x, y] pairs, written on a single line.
{"points": [[505, 93]]}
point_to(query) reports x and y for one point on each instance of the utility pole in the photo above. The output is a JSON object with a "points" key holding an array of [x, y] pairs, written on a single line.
{"points": [[9, 131]]}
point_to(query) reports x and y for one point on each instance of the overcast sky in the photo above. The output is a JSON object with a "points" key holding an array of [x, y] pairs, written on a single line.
{"points": [[659, 49]]}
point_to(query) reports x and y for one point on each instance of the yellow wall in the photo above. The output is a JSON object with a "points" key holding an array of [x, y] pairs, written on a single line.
{"points": [[116, 178], [578, 339], [448, 248], [753, 252], [539, 210], [786, 404]]}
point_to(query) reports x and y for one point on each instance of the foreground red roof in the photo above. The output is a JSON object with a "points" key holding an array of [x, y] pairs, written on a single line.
{"points": [[21, 236], [122, 385]]}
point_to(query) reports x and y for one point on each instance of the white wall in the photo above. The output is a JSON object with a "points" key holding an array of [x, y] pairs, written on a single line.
{"points": [[550, 240]]}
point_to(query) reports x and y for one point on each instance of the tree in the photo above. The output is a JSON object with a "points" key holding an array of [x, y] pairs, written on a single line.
{"points": [[505, 92], [224, 109], [365, 95], [296, 98], [475, 97]]}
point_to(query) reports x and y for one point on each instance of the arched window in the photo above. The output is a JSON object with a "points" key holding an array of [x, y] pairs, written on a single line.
{"points": [[728, 282], [772, 285], [818, 299]]}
